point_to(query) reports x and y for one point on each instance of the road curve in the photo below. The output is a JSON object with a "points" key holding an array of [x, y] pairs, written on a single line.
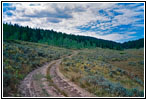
{"points": [[64, 84], [39, 86], [36, 84]]}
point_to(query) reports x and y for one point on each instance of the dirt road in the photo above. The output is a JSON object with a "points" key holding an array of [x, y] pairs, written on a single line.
{"points": [[39, 84]]}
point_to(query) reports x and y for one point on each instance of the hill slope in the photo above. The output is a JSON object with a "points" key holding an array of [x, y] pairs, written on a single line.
{"points": [[16, 32], [107, 73], [120, 71], [134, 44], [20, 58]]}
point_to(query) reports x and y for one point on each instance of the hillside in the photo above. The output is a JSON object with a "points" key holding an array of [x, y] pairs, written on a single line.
{"points": [[20, 58], [133, 44], [50, 37], [107, 73], [103, 72]]}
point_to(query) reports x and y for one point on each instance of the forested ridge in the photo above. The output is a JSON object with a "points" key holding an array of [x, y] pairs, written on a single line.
{"points": [[51, 37]]}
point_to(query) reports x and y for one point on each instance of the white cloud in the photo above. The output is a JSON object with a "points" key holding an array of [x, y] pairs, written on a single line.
{"points": [[127, 17], [66, 17], [130, 33]]}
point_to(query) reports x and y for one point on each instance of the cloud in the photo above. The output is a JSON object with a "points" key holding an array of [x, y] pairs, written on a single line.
{"points": [[53, 20], [111, 21], [36, 4]]}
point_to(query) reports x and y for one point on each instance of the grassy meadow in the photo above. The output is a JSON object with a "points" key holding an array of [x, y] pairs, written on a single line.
{"points": [[107, 73], [103, 72]]}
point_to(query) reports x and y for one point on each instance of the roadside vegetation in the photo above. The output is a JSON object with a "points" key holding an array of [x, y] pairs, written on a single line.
{"points": [[20, 58], [107, 73]]}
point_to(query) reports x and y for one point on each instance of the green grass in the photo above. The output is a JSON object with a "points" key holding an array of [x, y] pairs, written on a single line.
{"points": [[106, 72], [20, 58], [45, 92], [38, 76]]}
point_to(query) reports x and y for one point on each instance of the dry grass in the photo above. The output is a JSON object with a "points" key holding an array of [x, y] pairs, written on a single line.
{"points": [[98, 69]]}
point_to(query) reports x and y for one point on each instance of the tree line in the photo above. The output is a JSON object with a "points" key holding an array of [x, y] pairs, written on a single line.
{"points": [[51, 37]]}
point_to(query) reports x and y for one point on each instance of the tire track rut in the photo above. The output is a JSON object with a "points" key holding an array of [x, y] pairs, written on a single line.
{"points": [[36, 84], [41, 87], [64, 84]]}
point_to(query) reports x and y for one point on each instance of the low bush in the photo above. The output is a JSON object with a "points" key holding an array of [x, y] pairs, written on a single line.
{"points": [[141, 62], [19, 58], [106, 72], [132, 63]]}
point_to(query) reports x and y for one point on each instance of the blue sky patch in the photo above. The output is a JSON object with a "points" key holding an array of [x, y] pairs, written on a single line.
{"points": [[118, 22]]}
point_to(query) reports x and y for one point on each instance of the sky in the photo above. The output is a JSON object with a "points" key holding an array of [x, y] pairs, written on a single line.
{"points": [[119, 22]]}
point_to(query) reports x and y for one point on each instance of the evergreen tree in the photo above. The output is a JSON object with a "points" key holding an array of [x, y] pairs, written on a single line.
{"points": [[51, 37]]}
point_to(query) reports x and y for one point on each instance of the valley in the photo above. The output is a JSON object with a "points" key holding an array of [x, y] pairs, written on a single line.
{"points": [[73, 49], [46, 63], [38, 70]]}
